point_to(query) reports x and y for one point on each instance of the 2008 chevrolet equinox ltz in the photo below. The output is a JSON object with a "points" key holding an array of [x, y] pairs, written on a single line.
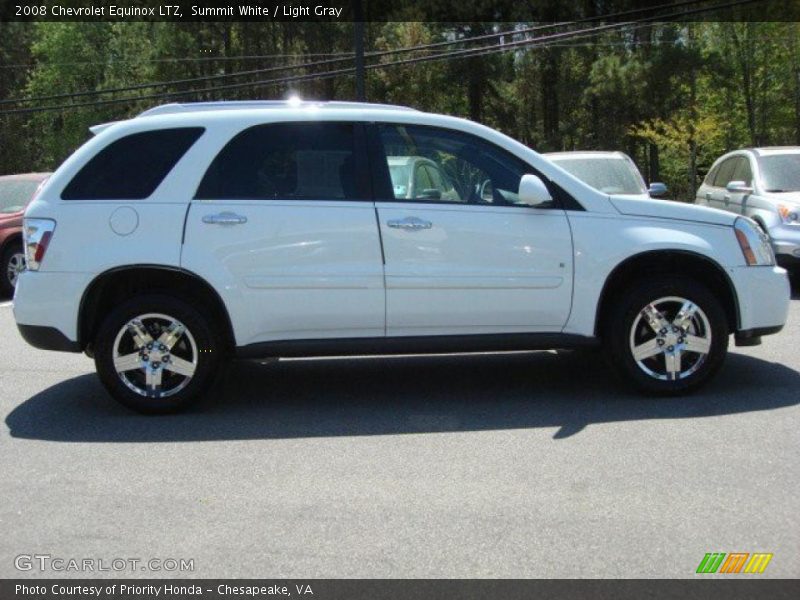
{"points": [[196, 232]]}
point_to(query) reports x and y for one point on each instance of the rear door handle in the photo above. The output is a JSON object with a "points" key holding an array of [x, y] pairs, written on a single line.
{"points": [[225, 218], [409, 223]]}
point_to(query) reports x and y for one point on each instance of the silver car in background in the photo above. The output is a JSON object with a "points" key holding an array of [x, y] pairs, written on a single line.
{"points": [[609, 172], [763, 184]]}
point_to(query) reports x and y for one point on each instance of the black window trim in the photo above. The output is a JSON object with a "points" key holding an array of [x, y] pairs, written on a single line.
{"points": [[362, 175], [381, 179]]}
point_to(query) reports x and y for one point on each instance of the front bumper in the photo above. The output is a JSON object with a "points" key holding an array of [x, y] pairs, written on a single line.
{"points": [[785, 241], [763, 295]]}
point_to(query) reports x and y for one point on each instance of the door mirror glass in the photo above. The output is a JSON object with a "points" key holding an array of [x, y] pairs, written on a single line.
{"points": [[657, 189], [533, 191], [738, 187]]}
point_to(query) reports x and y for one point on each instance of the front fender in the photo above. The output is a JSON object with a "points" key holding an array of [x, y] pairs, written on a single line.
{"points": [[597, 255]]}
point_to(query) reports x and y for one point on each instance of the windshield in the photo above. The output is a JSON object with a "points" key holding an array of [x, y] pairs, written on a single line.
{"points": [[14, 195], [780, 172], [609, 175]]}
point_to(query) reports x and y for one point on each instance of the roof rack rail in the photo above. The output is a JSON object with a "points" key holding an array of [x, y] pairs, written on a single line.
{"points": [[179, 107]]}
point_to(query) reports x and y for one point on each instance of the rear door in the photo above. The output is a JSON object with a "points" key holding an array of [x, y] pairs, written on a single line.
{"points": [[284, 227], [468, 259]]}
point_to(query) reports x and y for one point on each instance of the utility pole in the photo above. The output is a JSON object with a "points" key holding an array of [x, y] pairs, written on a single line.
{"points": [[358, 43]]}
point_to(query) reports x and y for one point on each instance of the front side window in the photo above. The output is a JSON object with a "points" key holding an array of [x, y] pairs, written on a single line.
{"points": [[725, 172], [132, 167], [743, 172], [448, 166], [285, 161]]}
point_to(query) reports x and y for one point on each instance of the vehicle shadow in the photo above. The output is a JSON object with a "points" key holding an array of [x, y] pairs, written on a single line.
{"points": [[396, 395]]}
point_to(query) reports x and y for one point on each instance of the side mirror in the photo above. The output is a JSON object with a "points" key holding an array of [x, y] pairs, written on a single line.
{"points": [[657, 189], [533, 191], [738, 187]]}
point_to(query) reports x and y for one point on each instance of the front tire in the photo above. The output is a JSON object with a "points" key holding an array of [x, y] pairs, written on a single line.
{"points": [[156, 354], [666, 337]]}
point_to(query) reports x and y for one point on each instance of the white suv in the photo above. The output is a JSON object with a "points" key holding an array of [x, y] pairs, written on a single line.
{"points": [[195, 232]]}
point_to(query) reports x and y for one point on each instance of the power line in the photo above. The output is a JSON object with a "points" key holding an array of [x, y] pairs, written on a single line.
{"points": [[368, 55], [465, 53], [112, 61]]}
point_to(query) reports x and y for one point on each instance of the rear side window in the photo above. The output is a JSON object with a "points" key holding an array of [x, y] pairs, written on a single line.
{"points": [[286, 161], [132, 167]]}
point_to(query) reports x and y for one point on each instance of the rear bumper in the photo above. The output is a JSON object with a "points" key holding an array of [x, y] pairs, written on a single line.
{"points": [[46, 307], [763, 295]]}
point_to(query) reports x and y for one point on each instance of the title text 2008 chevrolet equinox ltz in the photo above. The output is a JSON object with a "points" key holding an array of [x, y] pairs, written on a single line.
{"points": [[195, 232]]}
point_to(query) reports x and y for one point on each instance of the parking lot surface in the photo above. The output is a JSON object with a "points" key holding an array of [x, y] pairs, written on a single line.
{"points": [[495, 465]]}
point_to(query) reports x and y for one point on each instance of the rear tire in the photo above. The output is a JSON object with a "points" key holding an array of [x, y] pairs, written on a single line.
{"points": [[668, 336], [156, 354]]}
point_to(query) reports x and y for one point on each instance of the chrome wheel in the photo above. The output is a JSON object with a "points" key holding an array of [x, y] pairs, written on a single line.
{"points": [[15, 266], [155, 355], [670, 338]]}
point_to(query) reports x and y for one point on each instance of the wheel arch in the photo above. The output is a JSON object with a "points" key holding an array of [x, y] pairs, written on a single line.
{"points": [[664, 262], [119, 283]]}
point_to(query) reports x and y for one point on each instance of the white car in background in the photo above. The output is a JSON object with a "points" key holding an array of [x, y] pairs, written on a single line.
{"points": [[609, 172], [763, 184], [198, 232]]}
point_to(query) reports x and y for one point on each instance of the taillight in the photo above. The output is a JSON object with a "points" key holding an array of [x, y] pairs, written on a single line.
{"points": [[36, 234]]}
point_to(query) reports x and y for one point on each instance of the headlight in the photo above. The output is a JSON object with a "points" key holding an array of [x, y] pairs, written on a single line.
{"points": [[790, 215], [753, 242]]}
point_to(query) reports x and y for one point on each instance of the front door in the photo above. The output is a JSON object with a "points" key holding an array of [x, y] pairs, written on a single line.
{"points": [[464, 257]]}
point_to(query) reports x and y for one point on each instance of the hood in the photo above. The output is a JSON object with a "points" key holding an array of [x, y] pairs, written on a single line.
{"points": [[665, 209], [790, 197]]}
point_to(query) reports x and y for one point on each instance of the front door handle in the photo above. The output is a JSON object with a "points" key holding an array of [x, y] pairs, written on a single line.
{"points": [[727, 199], [225, 218], [409, 223]]}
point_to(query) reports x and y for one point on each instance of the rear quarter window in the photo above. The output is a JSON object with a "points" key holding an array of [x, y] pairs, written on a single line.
{"points": [[132, 167]]}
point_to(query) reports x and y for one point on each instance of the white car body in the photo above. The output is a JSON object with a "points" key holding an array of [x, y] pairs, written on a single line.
{"points": [[310, 271]]}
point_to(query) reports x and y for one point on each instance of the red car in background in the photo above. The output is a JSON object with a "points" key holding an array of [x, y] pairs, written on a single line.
{"points": [[16, 191]]}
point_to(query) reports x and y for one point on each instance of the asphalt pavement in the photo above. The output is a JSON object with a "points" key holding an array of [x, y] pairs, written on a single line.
{"points": [[496, 465]]}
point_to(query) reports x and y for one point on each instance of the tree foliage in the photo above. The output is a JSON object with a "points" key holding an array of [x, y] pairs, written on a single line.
{"points": [[672, 95]]}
